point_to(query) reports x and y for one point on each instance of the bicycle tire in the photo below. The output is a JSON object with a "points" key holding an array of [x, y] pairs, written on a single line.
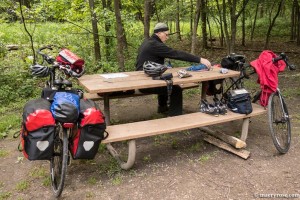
{"points": [[279, 123], [58, 164]]}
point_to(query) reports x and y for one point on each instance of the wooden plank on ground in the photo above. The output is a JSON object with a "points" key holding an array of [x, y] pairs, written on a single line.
{"points": [[235, 142], [219, 143]]}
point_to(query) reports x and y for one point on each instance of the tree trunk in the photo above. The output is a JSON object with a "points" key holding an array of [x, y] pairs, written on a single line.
{"points": [[254, 22], [228, 43], [233, 18], [97, 51], [156, 12], [25, 3], [294, 20], [120, 33], [298, 24], [272, 23], [195, 28], [243, 27], [178, 21], [147, 12], [221, 24], [107, 5], [191, 19], [203, 24]]}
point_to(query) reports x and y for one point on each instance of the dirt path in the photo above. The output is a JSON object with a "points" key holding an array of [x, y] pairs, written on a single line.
{"points": [[175, 166]]}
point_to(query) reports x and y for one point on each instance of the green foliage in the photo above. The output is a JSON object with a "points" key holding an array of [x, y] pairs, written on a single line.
{"points": [[3, 153], [22, 185], [4, 195]]}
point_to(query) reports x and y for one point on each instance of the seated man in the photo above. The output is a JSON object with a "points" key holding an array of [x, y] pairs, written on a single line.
{"points": [[154, 49]]}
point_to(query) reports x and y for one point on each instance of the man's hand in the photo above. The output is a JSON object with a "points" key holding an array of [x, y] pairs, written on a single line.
{"points": [[205, 62]]}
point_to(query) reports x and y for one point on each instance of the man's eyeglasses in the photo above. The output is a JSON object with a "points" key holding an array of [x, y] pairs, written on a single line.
{"points": [[167, 34]]}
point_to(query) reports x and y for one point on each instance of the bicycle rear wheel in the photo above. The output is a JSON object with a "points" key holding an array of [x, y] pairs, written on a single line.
{"points": [[58, 164], [279, 122]]}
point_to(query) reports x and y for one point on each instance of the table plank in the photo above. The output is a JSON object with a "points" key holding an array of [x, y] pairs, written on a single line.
{"points": [[138, 80]]}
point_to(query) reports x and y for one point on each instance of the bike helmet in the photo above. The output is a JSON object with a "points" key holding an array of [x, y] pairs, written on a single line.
{"points": [[154, 69], [39, 70]]}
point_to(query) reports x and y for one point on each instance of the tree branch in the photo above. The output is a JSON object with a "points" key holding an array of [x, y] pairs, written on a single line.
{"points": [[88, 29], [30, 36]]}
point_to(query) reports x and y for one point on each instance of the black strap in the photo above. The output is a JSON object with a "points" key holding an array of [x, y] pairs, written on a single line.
{"points": [[169, 89], [107, 134]]}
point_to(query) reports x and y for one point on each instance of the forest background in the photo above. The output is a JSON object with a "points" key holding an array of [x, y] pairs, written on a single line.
{"points": [[107, 34]]}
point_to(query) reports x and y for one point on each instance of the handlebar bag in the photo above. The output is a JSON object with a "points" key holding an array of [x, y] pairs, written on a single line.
{"points": [[67, 57], [65, 107], [37, 132], [239, 101], [90, 133]]}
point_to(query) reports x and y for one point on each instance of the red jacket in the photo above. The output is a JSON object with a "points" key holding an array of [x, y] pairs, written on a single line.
{"points": [[267, 74]]}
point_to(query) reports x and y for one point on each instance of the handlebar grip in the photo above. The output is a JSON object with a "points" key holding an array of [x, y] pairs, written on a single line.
{"points": [[45, 47], [277, 59]]}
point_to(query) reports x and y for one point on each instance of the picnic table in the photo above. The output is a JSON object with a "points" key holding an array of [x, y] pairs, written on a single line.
{"points": [[105, 85]]}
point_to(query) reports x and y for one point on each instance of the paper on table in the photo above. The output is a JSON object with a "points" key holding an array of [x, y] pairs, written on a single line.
{"points": [[114, 75]]}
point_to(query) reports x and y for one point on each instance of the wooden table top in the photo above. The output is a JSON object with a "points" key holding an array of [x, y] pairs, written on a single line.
{"points": [[123, 81]]}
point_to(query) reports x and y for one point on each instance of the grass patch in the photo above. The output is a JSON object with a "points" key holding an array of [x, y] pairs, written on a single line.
{"points": [[162, 139], [4, 195], [22, 185], [174, 143], [10, 123], [89, 195], [290, 92], [38, 172], [117, 180], [204, 158], [196, 147], [3, 153], [147, 158], [110, 167], [92, 181], [191, 92], [102, 148], [46, 181]]}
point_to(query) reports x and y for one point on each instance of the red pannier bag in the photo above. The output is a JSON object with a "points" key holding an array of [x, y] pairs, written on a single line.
{"points": [[90, 133], [67, 57], [38, 129]]}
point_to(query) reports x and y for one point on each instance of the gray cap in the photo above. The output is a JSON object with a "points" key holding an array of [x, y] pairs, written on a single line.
{"points": [[160, 27]]}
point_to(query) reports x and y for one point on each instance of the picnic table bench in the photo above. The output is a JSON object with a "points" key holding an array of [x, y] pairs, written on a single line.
{"points": [[105, 85]]}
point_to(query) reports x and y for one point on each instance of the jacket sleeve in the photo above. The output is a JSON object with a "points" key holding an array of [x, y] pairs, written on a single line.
{"points": [[163, 50]]}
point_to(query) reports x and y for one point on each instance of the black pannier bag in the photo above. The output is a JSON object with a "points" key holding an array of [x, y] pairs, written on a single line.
{"points": [[239, 101], [38, 129], [231, 61], [65, 106], [90, 133]]}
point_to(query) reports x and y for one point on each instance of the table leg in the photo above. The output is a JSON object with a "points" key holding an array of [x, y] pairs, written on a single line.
{"points": [[203, 89], [111, 149], [245, 128], [130, 158], [106, 109]]}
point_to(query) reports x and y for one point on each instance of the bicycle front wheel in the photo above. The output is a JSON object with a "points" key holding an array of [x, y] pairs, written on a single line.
{"points": [[58, 163], [279, 122]]}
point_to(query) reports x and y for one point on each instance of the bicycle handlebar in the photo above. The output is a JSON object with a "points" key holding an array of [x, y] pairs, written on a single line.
{"points": [[55, 65], [47, 58], [283, 57]]}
